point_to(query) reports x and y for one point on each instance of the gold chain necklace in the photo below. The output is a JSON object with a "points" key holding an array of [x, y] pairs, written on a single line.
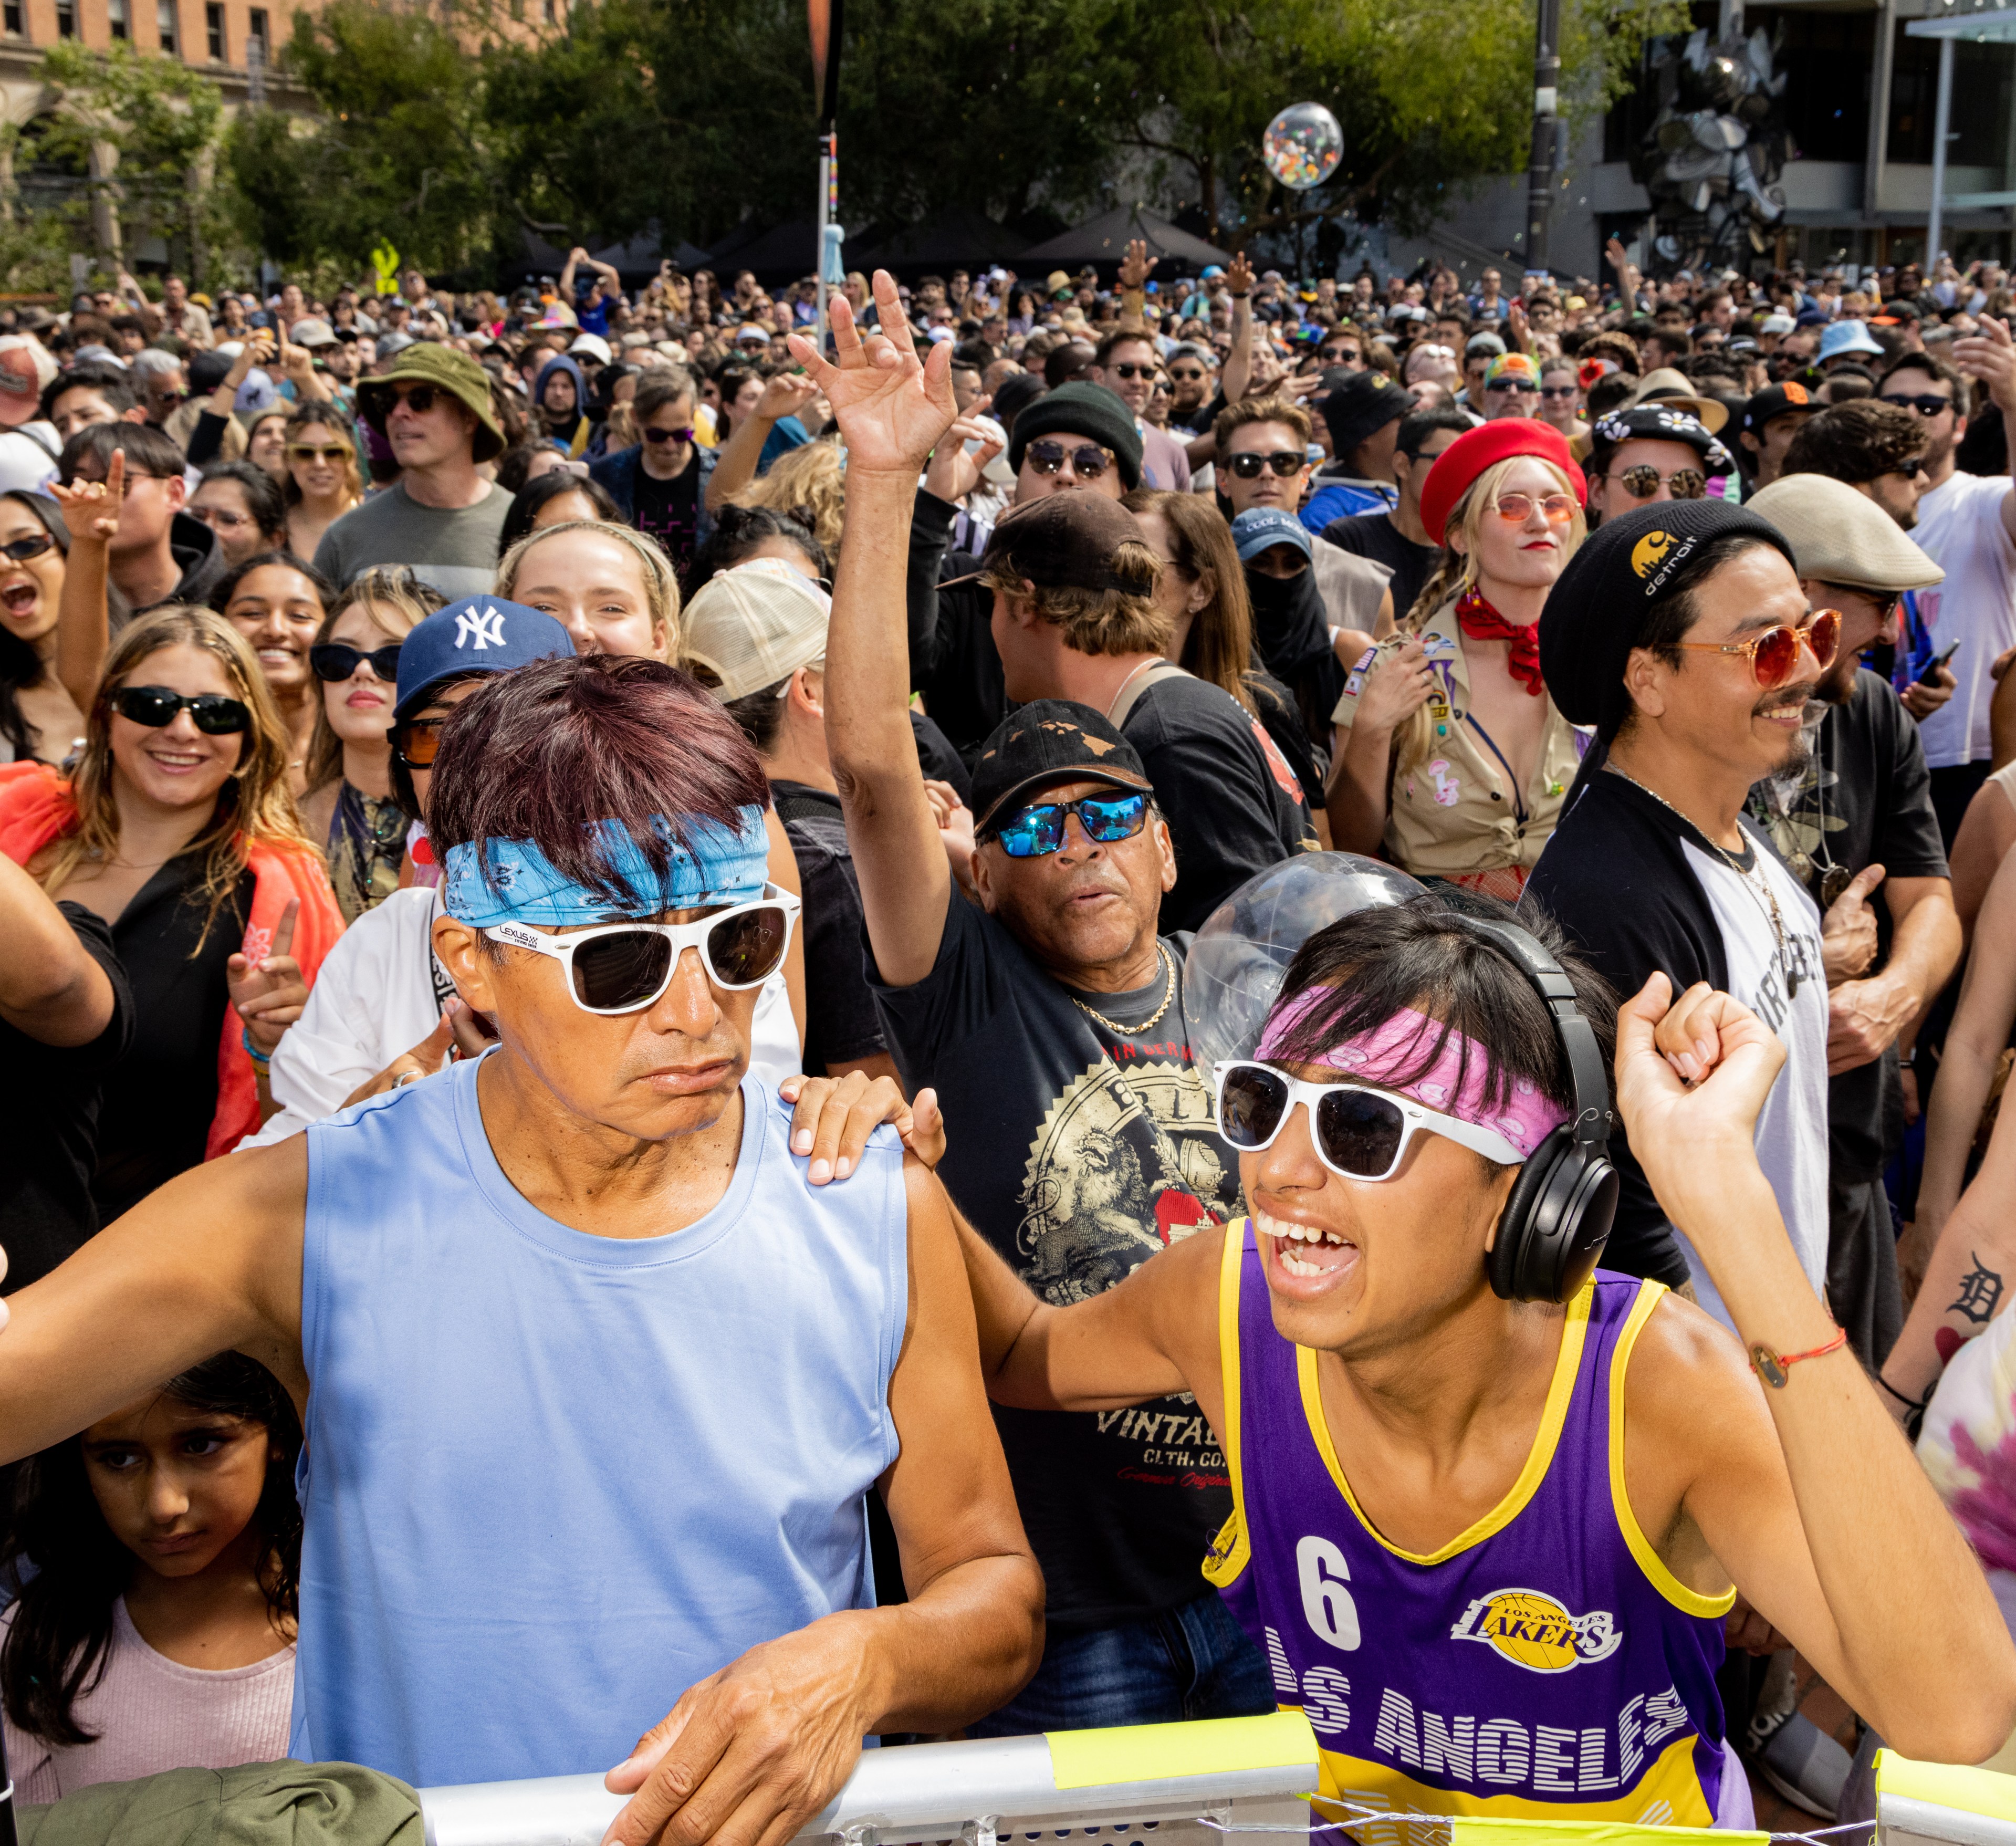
{"points": [[1758, 885], [1169, 994]]}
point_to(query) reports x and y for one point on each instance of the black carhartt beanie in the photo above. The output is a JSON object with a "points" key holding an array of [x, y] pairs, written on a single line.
{"points": [[1079, 409], [1603, 601]]}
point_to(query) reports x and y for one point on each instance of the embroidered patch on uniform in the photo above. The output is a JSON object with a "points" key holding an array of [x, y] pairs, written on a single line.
{"points": [[1530, 1629], [1448, 789]]}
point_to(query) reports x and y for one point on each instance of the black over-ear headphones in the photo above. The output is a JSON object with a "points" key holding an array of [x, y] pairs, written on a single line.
{"points": [[1555, 1222]]}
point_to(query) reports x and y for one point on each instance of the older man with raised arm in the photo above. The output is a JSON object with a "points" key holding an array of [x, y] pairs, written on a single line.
{"points": [[494, 1291], [1050, 1016]]}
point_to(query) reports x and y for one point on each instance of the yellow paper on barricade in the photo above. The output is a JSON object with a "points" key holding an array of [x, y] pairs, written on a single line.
{"points": [[1483, 1831], [1946, 1785], [1155, 1752]]}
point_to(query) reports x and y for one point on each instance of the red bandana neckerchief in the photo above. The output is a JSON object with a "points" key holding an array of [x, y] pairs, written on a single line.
{"points": [[1480, 622]]}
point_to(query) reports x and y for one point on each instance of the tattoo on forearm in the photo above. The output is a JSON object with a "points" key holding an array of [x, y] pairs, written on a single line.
{"points": [[1980, 1292]]}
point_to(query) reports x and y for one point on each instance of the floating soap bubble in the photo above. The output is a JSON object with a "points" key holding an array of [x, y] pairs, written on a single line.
{"points": [[1302, 146], [1237, 961]]}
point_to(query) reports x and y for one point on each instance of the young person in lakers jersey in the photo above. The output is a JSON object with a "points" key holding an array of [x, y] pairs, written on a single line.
{"points": [[1493, 1503]]}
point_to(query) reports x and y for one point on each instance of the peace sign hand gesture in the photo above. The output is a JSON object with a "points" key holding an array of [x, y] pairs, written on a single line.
{"points": [[270, 994], [891, 406]]}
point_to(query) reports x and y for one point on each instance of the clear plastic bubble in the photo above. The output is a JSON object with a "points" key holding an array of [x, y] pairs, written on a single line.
{"points": [[1238, 959], [1302, 146]]}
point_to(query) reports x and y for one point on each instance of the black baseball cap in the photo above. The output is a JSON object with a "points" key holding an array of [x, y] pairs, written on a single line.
{"points": [[1777, 400], [1068, 540], [1046, 742]]}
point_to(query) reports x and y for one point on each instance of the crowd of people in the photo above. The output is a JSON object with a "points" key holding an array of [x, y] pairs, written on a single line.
{"points": [[866, 731]]}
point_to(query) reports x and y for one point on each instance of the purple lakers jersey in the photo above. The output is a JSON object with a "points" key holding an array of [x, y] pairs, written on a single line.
{"points": [[1544, 1663]]}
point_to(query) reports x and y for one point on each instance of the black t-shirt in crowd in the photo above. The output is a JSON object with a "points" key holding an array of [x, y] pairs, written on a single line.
{"points": [[1373, 535], [1077, 1151], [953, 660], [160, 1098], [669, 512], [940, 762], [1865, 799], [1233, 802], [49, 1097], [841, 1024]]}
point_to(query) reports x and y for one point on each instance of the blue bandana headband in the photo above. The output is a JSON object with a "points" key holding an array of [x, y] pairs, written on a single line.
{"points": [[512, 881]]}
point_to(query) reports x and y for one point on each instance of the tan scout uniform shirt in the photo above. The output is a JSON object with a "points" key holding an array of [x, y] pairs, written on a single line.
{"points": [[1455, 810]]}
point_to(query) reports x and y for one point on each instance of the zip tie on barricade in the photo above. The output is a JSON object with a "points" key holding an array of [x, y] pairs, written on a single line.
{"points": [[1360, 1814]]}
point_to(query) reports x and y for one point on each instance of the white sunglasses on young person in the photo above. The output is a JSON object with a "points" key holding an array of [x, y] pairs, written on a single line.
{"points": [[1358, 1133], [625, 967]]}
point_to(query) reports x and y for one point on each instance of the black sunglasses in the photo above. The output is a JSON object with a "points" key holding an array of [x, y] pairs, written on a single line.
{"points": [[1925, 403], [1089, 461], [685, 435], [419, 398], [1129, 371], [20, 550], [156, 706], [1249, 464], [336, 660]]}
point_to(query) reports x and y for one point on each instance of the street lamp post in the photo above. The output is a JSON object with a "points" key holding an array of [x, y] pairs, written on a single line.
{"points": [[1546, 125]]}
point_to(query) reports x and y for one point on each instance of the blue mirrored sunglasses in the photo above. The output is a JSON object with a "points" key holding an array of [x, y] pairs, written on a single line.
{"points": [[1034, 831]]}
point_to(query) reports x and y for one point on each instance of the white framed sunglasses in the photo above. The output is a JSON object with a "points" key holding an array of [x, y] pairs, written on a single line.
{"points": [[625, 967], [1358, 1133]]}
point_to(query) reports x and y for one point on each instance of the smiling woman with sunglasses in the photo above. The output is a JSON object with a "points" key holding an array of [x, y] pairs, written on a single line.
{"points": [[39, 718], [322, 482], [1453, 759], [178, 829], [351, 807]]}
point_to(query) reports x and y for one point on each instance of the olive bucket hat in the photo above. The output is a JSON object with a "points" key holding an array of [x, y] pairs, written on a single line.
{"points": [[458, 373]]}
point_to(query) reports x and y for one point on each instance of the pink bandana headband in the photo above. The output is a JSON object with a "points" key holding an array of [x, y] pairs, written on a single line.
{"points": [[1456, 1084]]}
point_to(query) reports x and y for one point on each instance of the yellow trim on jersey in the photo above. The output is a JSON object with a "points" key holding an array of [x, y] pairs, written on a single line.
{"points": [[1229, 1552], [1691, 1601], [1560, 1393], [1669, 1793]]}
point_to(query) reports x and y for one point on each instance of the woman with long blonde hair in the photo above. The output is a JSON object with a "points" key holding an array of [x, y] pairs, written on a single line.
{"points": [[1451, 757], [180, 831], [323, 482], [810, 482], [612, 589]]}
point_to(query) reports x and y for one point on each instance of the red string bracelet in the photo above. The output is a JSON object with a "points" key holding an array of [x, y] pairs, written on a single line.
{"points": [[1772, 1366]]}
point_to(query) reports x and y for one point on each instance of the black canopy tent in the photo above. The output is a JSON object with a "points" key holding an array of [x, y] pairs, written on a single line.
{"points": [[958, 238], [1104, 240]]}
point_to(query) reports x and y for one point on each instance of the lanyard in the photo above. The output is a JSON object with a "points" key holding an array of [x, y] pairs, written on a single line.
{"points": [[1519, 814]]}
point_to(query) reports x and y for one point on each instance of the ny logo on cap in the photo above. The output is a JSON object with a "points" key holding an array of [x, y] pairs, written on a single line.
{"points": [[485, 629]]}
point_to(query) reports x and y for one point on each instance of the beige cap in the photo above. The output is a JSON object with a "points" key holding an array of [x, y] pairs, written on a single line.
{"points": [[755, 625], [1664, 385], [1840, 536]]}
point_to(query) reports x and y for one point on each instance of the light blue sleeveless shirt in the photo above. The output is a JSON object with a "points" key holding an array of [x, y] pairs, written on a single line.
{"points": [[552, 1480]]}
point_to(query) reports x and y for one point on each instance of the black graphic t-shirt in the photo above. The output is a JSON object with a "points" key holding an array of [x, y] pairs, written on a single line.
{"points": [[1864, 799], [669, 512], [1078, 1152]]}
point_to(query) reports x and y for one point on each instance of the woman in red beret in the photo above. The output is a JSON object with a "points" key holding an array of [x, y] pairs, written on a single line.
{"points": [[1451, 759]]}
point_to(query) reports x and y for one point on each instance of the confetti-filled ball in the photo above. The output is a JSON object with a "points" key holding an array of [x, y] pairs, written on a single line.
{"points": [[1302, 146]]}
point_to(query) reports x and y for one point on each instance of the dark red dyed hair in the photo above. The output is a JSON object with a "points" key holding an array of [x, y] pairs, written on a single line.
{"points": [[545, 752]]}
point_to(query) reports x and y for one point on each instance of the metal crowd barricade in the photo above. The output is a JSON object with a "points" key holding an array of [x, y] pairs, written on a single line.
{"points": [[1937, 1804], [1230, 1782]]}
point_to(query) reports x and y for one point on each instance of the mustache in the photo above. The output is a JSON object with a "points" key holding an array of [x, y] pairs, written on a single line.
{"points": [[1781, 697]]}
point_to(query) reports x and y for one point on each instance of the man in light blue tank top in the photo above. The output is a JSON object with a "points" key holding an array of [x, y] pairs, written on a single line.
{"points": [[596, 1382], [1486, 1532]]}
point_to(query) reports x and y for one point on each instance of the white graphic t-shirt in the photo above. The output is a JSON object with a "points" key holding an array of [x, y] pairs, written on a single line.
{"points": [[1961, 527]]}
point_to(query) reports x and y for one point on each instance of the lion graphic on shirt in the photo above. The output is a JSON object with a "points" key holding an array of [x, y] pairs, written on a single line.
{"points": [[1124, 1165]]}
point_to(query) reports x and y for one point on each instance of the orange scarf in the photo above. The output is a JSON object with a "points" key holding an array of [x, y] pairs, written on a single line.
{"points": [[36, 807]]}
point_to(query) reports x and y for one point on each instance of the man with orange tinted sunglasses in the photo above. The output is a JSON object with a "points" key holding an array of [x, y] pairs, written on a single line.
{"points": [[1681, 632]]}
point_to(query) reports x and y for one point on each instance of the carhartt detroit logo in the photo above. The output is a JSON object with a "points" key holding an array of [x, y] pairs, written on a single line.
{"points": [[1533, 1631]]}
